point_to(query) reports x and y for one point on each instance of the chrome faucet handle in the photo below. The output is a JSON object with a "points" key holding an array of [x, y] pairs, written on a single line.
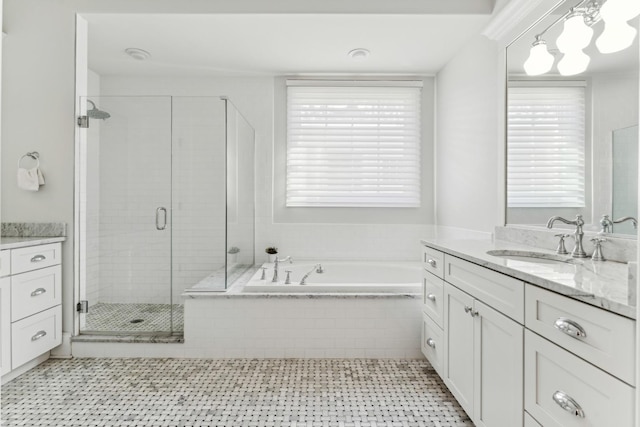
{"points": [[287, 279], [561, 249], [264, 273], [597, 249], [605, 224]]}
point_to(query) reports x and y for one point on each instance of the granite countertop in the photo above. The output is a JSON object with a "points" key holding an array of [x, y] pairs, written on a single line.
{"points": [[21, 242], [602, 284]]}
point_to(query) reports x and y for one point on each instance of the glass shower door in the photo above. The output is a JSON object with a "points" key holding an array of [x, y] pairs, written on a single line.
{"points": [[125, 216]]}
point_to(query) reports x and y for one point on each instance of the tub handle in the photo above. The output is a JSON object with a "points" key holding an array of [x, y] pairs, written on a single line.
{"points": [[287, 279]]}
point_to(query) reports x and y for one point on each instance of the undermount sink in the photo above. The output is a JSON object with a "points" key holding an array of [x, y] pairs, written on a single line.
{"points": [[533, 257]]}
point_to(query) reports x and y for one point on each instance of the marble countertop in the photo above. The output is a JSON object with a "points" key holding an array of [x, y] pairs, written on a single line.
{"points": [[21, 242], [602, 284]]}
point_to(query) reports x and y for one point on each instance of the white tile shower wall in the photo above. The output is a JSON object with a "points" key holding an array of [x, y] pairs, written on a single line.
{"points": [[138, 164], [305, 328], [198, 237], [135, 165]]}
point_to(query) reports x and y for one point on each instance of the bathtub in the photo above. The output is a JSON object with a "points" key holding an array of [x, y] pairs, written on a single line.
{"points": [[342, 277]]}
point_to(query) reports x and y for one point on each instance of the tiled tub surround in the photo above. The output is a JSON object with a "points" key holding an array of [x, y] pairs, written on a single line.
{"points": [[603, 284]]}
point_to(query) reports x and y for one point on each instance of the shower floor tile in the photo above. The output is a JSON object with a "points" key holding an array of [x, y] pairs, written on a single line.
{"points": [[133, 318], [231, 393]]}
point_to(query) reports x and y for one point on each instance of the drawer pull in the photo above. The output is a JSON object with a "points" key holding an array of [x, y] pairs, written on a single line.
{"points": [[570, 328], [431, 297], [432, 262], [39, 335], [38, 291], [38, 258], [431, 343], [567, 403]]}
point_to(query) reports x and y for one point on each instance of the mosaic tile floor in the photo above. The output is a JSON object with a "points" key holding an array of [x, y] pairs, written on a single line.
{"points": [[133, 318], [231, 393]]}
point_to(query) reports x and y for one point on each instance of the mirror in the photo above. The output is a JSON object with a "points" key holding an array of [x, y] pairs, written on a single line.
{"points": [[572, 140]]}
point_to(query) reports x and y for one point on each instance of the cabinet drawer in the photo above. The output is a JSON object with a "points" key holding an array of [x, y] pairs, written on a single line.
{"points": [[433, 261], [433, 297], [5, 263], [552, 372], [35, 335], [608, 341], [433, 343], [529, 421], [34, 257], [497, 290], [35, 291], [5, 325]]}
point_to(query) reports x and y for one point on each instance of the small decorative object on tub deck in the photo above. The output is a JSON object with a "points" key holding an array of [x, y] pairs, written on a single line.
{"points": [[232, 254], [272, 253]]}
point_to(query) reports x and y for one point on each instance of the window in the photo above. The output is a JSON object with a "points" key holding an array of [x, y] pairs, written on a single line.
{"points": [[353, 144], [546, 146]]}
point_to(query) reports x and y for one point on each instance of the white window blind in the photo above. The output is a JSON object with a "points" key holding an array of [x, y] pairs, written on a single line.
{"points": [[353, 146], [546, 146]]}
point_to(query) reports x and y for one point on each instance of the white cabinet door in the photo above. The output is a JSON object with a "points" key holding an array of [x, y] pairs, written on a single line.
{"points": [[498, 382], [5, 325], [458, 365]]}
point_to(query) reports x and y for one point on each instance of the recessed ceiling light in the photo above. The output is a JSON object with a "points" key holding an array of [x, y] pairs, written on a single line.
{"points": [[359, 54], [137, 54]]}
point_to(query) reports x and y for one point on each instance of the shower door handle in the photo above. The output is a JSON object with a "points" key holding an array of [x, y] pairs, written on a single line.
{"points": [[164, 218]]}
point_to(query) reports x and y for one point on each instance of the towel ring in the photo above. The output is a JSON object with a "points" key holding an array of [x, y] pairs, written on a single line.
{"points": [[34, 155]]}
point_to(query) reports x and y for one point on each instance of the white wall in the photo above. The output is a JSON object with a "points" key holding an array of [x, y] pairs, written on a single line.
{"points": [[467, 145]]}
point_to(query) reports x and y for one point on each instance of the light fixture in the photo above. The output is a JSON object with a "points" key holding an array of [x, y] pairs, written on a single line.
{"points": [[573, 63], [540, 60], [621, 10], [576, 34], [617, 34], [137, 54], [359, 54]]}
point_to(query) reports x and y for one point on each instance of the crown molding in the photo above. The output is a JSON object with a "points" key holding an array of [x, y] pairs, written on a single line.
{"points": [[508, 18]]}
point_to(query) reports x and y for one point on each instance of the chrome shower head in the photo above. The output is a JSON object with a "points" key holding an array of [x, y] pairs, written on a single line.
{"points": [[95, 113]]}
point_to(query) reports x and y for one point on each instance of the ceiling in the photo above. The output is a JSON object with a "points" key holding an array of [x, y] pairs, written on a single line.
{"points": [[276, 44]]}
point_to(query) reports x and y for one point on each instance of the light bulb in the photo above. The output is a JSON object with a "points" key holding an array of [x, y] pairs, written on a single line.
{"points": [[616, 36], [576, 35], [620, 10], [540, 60], [573, 63]]}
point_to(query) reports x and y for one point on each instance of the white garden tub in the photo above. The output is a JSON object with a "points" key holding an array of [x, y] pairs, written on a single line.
{"points": [[341, 277]]}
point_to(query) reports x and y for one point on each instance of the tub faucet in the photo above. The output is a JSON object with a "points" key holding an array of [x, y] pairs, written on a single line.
{"points": [[317, 268], [578, 250], [275, 267]]}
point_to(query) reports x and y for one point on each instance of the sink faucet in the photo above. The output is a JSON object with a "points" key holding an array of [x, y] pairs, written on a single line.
{"points": [[578, 250], [317, 268], [275, 267], [607, 225]]}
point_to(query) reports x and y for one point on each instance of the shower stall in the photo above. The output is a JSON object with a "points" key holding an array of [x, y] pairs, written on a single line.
{"points": [[165, 191]]}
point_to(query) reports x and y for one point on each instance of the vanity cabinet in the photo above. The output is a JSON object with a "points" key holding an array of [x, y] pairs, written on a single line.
{"points": [[464, 338], [515, 354], [30, 298], [483, 358]]}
